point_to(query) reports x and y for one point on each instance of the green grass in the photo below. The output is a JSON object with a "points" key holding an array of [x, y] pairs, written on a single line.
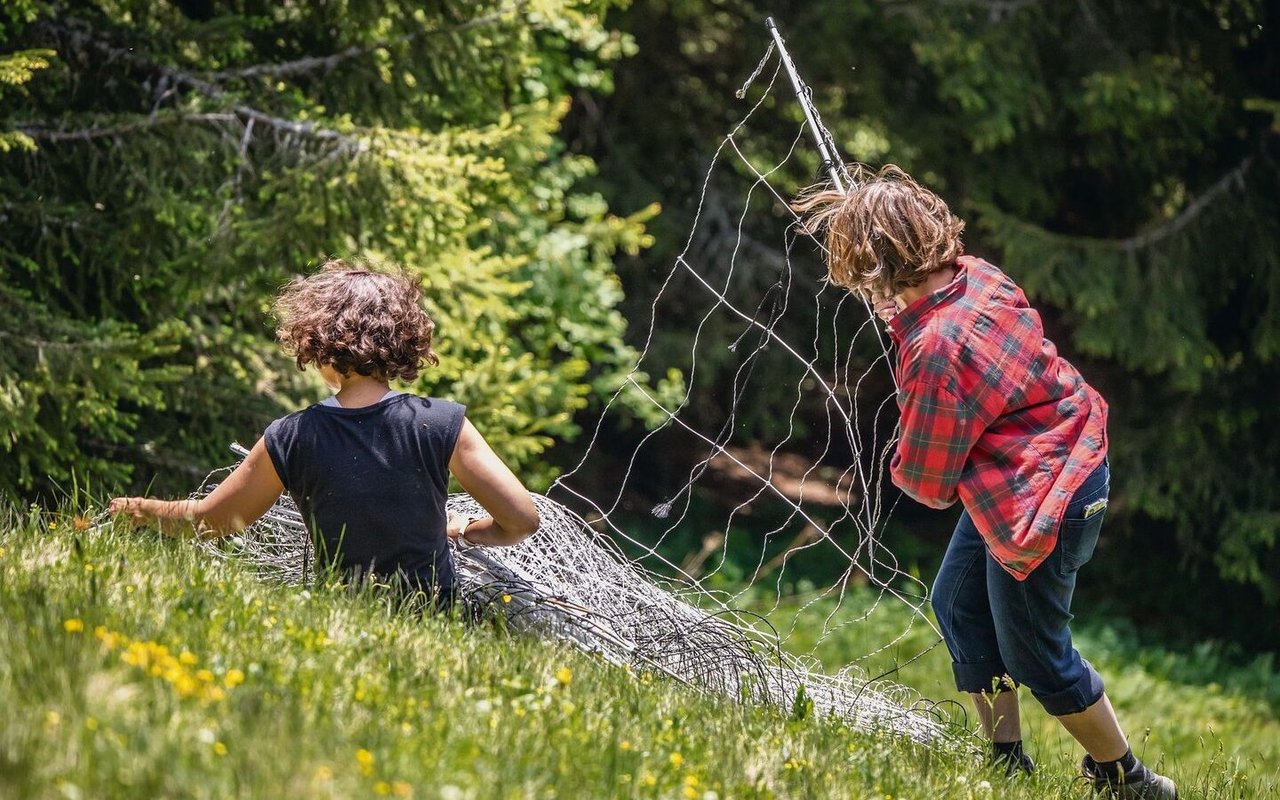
{"points": [[263, 691]]}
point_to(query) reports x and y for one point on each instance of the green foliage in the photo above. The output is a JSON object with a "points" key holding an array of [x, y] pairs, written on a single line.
{"points": [[194, 156], [15, 70], [135, 666], [1118, 159], [61, 381]]}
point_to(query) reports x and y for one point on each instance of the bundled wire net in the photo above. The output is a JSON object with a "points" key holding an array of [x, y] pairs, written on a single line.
{"points": [[569, 582], [591, 579]]}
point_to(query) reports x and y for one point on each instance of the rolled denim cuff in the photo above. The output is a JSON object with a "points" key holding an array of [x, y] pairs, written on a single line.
{"points": [[981, 676], [1075, 698]]}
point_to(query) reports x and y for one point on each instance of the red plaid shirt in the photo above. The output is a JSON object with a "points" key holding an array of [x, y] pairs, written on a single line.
{"points": [[991, 414]]}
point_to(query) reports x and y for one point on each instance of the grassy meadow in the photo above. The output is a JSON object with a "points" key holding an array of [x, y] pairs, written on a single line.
{"points": [[134, 667]]}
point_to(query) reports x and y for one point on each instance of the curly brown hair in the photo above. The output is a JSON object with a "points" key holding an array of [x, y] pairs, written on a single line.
{"points": [[356, 319], [885, 234]]}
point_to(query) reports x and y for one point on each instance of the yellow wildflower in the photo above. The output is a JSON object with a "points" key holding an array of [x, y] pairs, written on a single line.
{"points": [[73, 626], [564, 675], [624, 746], [234, 678], [676, 760], [382, 788], [187, 658], [506, 598], [219, 748]]}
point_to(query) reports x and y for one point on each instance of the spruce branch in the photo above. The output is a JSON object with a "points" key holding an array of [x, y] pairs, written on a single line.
{"points": [[303, 66]]}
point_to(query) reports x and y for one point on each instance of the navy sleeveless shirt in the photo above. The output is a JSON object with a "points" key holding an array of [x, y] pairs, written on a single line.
{"points": [[371, 484]]}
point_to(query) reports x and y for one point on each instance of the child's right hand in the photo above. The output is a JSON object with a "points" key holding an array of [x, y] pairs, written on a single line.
{"points": [[134, 508]]}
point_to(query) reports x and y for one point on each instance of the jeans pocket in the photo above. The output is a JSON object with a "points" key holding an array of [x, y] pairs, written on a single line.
{"points": [[1077, 538]]}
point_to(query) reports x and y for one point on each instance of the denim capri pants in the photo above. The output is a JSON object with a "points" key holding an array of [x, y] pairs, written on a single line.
{"points": [[996, 626]]}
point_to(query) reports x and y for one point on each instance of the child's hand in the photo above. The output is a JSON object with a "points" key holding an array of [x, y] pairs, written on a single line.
{"points": [[132, 506], [886, 308], [455, 525], [134, 509]]}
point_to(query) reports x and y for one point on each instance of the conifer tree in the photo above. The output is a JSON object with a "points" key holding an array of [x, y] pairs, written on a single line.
{"points": [[178, 161]]}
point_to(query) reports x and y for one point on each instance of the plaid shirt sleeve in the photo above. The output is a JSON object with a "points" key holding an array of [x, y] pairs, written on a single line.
{"points": [[937, 432]]}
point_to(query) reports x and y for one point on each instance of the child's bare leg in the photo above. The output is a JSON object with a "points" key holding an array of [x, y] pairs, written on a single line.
{"points": [[999, 714], [1097, 730]]}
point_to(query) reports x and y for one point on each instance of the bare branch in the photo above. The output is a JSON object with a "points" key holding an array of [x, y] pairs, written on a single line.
{"points": [[111, 131], [996, 9], [1234, 178], [82, 36], [1231, 180]]}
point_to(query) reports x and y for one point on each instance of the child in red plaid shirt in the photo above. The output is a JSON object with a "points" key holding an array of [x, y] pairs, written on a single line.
{"points": [[994, 417]]}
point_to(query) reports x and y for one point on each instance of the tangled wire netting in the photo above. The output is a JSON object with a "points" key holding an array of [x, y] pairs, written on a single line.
{"points": [[570, 583]]}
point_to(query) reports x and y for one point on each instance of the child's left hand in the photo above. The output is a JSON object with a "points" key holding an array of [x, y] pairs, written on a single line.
{"points": [[455, 524], [885, 308]]}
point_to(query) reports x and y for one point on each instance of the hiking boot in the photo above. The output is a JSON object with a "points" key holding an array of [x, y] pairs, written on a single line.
{"points": [[1138, 783]]}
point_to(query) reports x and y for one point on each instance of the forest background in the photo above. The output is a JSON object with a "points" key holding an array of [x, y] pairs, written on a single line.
{"points": [[166, 166]]}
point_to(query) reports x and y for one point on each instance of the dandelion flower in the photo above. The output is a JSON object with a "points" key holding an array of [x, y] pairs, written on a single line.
{"points": [[676, 760], [564, 675], [73, 626], [234, 678]]}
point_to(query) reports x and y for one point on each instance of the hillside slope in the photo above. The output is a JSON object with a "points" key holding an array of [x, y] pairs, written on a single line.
{"points": [[133, 667]]}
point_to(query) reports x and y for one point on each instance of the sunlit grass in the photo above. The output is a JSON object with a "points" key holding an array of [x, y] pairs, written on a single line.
{"points": [[134, 667]]}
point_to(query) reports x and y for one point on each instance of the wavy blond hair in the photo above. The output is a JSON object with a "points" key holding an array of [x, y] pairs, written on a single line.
{"points": [[885, 234]]}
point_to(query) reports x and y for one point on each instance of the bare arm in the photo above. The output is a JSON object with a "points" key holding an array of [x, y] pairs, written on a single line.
{"points": [[235, 504], [495, 487]]}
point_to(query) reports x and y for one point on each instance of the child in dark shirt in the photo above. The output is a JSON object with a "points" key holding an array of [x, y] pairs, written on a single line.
{"points": [[994, 417], [369, 467]]}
